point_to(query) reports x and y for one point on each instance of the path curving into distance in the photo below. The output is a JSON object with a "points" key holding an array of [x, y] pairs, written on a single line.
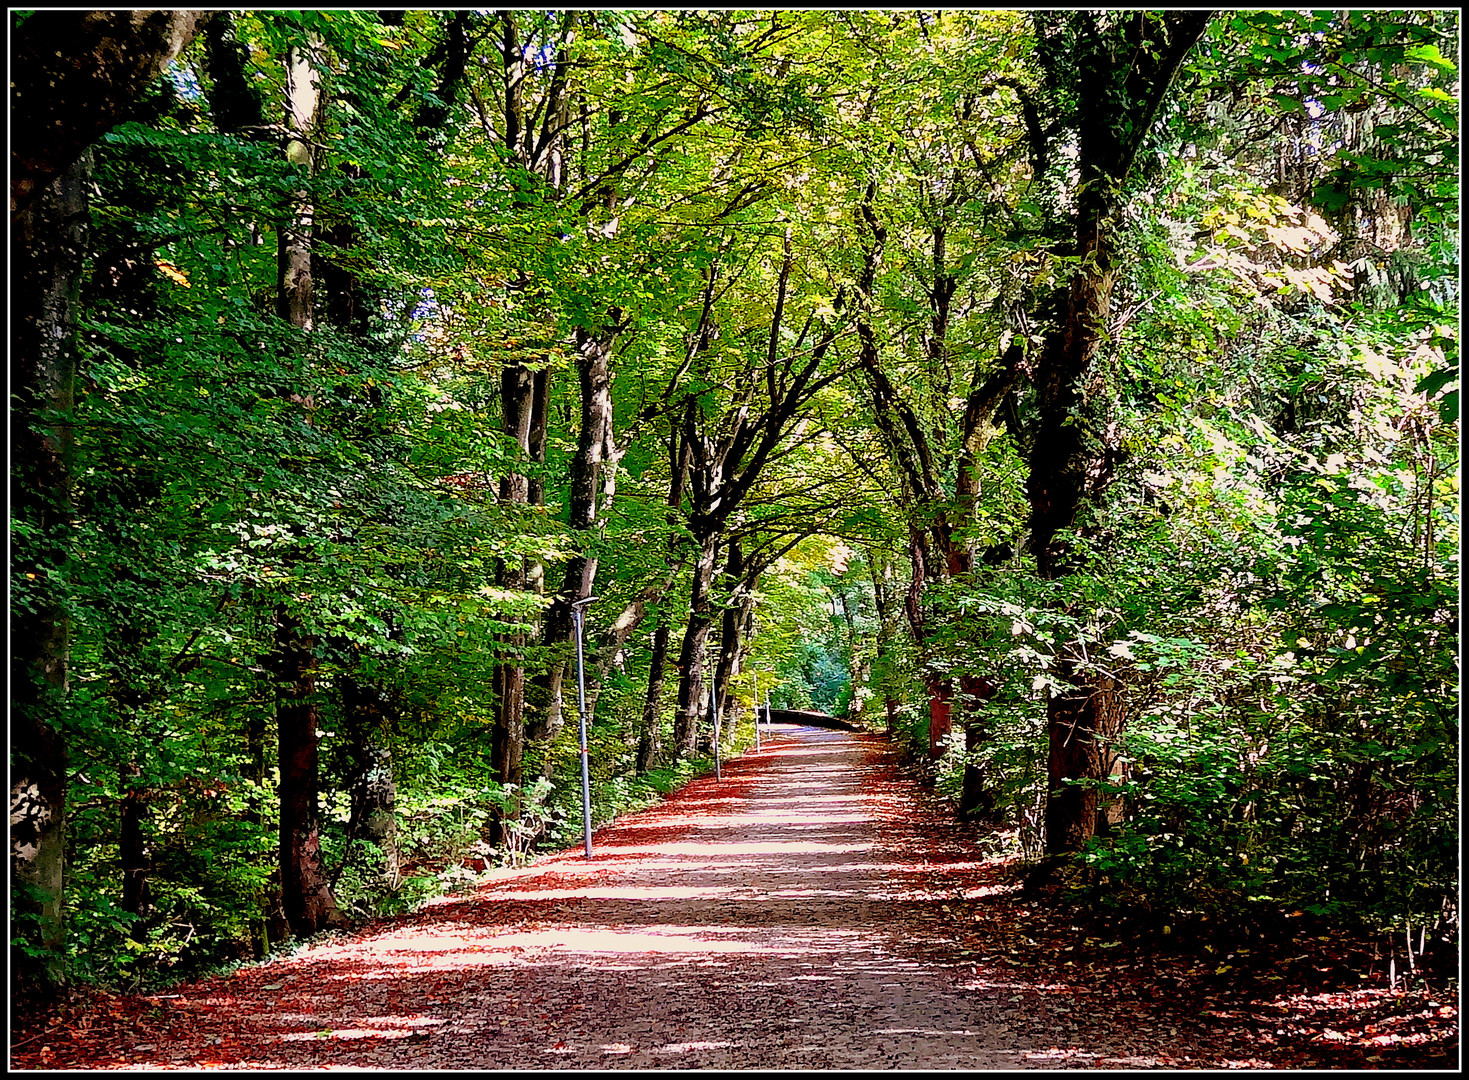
{"points": [[765, 920]]}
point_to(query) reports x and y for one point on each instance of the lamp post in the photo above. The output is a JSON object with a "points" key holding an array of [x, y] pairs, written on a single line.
{"points": [[578, 612], [755, 705], [714, 716]]}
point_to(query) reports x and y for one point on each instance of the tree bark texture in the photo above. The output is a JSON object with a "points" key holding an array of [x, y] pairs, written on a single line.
{"points": [[649, 737], [1082, 723], [305, 893], [732, 622], [1123, 72], [593, 484], [507, 739], [48, 247], [294, 296], [691, 679], [73, 75], [649, 729]]}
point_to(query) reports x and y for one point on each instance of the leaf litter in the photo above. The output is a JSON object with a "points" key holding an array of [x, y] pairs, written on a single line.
{"points": [[814, 909]]}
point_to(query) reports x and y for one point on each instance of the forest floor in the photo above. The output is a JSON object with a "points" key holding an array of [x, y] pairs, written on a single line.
{"points": [[811, 910]]}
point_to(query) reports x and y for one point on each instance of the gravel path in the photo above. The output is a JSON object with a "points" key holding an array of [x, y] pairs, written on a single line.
{"points": [[767, 920]]}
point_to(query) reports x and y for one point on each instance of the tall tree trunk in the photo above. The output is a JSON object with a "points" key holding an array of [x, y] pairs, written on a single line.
{"points": [[650, 727], [691, 680], [937, 548], [48, 244], [507, 738], [593, 483], [305, 894], [649, 733], [1124, 69], [73, 75]]}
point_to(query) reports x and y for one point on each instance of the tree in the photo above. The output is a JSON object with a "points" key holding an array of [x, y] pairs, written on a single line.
{"points": [[305, 891], [61, 101], [1115, 73]]}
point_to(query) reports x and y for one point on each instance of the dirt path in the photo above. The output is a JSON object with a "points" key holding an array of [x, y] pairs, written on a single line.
{"points": [[762, 921], [807, 911]]}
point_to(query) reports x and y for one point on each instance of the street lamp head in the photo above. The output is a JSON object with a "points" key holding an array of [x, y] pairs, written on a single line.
{"points": [[583, 600]]}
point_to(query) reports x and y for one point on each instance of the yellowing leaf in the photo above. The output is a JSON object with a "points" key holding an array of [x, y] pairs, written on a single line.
{"points": [[172, 272]]}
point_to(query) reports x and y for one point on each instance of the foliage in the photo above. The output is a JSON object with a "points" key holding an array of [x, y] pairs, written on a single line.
{"points": [[1266, 546]]}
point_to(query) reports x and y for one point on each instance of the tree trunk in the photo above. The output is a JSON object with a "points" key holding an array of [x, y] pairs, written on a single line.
{"points": [[679, 455], [49, 245], [305, 895], [940, 713], [687, 720], [507, 739], [294, 296], [976, 796], [593, 484], [1082, 721], [1123, 72], [73, 75], [734, 625], [649, 729]]}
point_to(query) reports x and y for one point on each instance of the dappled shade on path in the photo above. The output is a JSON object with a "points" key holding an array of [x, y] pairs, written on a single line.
{"points": [[798, 913], [746, 922]]}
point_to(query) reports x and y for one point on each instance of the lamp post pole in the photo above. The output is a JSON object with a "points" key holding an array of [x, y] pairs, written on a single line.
{"points": [[755, 705], [714, 716], [578, 612]]}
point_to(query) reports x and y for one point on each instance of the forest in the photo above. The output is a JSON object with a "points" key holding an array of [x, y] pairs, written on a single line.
{"points": [[1072, 396]]}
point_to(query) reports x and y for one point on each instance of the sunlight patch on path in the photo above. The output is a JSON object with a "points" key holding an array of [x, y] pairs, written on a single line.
{"points": [[664, 939]]}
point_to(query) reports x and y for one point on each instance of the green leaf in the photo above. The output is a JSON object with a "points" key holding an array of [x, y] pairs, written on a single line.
{"points": [[1448, 407], [1429, 54]]}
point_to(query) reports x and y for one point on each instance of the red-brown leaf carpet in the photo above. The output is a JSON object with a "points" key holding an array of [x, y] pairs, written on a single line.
{"points": [[809, 910]]}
